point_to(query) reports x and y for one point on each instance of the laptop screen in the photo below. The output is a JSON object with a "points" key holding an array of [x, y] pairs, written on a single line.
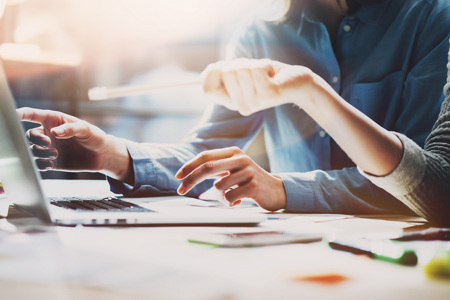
{"points": [[18, 173]]}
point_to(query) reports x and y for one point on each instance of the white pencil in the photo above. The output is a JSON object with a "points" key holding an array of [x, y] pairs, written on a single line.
{"points": [[104, 93]]}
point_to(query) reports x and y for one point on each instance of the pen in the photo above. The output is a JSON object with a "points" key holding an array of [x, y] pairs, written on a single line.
{"points": [[382, 250], [426, 235], [103, 93]]}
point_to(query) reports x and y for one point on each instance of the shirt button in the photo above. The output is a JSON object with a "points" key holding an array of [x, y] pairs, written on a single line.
{"points": [[322, 133], [347, 28], [335, 79]]}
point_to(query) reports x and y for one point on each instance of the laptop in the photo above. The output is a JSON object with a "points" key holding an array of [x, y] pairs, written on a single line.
{"points": [[22, 183]]}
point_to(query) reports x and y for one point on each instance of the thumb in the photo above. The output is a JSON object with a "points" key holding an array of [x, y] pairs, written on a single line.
{"points": [[69, 130]]}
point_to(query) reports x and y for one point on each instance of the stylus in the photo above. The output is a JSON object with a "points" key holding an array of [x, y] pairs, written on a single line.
{"points": [[104, 93]]}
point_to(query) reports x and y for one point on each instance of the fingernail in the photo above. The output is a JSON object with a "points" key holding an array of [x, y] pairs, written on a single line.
{"points": [[53, 154], [181, 190], [58, 130], [235, 202]]}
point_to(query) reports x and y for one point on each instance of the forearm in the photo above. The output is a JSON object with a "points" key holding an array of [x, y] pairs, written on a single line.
{"points": [[154, 166], [117, 162], [373, 148]]}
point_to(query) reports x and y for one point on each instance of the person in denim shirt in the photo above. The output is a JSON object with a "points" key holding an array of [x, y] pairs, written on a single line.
{"points": [[386, 58]]}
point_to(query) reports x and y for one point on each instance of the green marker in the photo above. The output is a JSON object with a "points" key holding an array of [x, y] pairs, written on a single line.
{"points": [[382, 250]]}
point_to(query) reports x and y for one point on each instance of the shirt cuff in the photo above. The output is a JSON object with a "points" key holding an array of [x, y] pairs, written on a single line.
{"points": [[299, 192], [144, 171], [409, 173]]}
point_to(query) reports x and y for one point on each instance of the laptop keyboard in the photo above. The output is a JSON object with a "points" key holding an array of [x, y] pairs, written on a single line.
{"points": [[110, 204]]}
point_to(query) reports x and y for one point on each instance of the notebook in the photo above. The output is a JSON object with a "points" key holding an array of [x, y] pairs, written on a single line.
{"points": [[22, 183]]}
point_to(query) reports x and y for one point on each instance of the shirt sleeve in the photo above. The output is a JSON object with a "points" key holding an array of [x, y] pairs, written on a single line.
{"points": [[155, 165], [343, 191], [347, 190]]}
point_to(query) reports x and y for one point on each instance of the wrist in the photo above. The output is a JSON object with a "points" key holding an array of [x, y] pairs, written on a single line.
{"points": [[309, 90], [319, 101], [280, 196], [117, 162]]}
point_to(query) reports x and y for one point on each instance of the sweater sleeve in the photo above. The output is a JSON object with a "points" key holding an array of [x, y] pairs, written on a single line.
{"points": [[422, 178], [406, 177]]}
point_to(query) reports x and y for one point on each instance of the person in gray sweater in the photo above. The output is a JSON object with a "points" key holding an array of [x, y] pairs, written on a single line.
{"points": [[420, 178]]}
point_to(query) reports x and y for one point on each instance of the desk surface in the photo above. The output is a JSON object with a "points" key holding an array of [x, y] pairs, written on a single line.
{"points": [[159, 262]]}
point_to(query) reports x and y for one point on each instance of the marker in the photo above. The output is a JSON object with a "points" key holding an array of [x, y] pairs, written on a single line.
{"points": [[426, 235], [439, 265], [382, 250]]}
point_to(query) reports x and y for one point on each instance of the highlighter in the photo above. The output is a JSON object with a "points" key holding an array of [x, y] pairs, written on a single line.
{"points": [[382, 250], [439, 266]]}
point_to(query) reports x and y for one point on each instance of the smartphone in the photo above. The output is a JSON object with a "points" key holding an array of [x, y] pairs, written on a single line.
{"points": [[253, 239]]}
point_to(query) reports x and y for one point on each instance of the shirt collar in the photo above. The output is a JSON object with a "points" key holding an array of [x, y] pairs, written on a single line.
{"points": [[371, 14]]}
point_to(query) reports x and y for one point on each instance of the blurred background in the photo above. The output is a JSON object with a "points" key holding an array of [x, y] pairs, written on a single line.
{"points": [[53, 51]]}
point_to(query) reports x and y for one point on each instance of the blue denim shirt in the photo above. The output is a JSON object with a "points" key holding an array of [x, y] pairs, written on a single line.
{"points": [[388, 60]]}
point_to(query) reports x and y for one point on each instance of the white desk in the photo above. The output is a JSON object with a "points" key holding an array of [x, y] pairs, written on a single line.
{"points": [[159, 263]]}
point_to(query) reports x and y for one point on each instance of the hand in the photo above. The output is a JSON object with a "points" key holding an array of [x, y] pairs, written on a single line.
{"points": [[248, 86], [240, 177], [64, 142]]}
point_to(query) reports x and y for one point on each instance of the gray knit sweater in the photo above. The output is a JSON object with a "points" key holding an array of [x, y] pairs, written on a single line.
{"points": [[422, 179]]}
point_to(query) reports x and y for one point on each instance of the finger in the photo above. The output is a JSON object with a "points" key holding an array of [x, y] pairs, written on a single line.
{"points": [[37, 115], [211, 78], [207, 171], [44, 164], [238, 178], [235, 195], [79, 129], [261, 80], [37, 136], [274, 66], [43, 152], [221, 175], [213, 84], [230, 81], [205, 157], [237, 202], [224, 200], [248, 91], [32, 115], [48, 118]]}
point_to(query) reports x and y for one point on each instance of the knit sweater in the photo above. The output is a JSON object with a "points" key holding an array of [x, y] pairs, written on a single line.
{"points": [[422, 178]]}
